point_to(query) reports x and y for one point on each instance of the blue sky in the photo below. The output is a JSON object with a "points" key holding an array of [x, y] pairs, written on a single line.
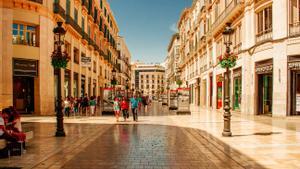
{"points": [[148, 25]]}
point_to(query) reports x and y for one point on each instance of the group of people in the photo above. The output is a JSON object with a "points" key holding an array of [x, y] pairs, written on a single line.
{"points": [[82, 105], [10, 125], [124, 105]]}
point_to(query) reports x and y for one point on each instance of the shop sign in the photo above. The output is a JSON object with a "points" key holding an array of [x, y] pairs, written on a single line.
{"points": [[264, 69], [86, 61], [294, 65], [22, 67]]}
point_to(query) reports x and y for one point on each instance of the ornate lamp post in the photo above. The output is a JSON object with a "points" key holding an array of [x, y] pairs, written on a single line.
{"points": [[59, 60], [114, 80], [227, 61]]}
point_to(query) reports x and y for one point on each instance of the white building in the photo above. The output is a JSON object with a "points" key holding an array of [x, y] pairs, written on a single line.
{"points": [[266, 79]]}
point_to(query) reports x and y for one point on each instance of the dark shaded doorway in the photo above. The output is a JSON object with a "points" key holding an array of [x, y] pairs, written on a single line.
{"points": [[23, 94]]}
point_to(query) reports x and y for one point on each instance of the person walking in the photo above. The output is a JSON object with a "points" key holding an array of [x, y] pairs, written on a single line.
{"points": [[134, 106], [92, 104], [67, 106], [117, 108], [124, 108], [85, 104]]}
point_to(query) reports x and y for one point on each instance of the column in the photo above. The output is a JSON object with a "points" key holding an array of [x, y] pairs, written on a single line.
{"points": [[44, 99]]}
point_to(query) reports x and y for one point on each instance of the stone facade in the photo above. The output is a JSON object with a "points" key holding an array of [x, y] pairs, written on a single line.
{"points": [[26, 33], [266, 40]]}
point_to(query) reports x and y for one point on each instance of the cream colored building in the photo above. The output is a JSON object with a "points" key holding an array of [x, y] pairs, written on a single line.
{"points": [[27, 78], [124, 59], [172, 62], [148, 79], [266, 79]]}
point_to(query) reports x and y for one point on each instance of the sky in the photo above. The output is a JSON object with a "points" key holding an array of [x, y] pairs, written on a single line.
{"points": [[148, 25]]}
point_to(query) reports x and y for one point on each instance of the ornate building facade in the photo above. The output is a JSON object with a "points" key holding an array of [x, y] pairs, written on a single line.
{"points": [[266, 40], [27, 78]]}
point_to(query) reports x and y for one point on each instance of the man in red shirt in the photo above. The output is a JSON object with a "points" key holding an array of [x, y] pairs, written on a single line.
{"points": [[124, 108]]}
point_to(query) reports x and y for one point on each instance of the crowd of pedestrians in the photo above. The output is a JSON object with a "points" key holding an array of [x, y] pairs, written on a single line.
{"points": [[80, 106], [87, 106], [135, 104]]}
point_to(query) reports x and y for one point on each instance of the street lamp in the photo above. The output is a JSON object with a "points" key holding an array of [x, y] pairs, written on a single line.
{"points": [[59, 60], [227, 62]]}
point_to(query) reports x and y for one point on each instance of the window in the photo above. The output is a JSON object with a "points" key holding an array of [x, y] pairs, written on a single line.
{"points": [[68, 5], [105, 12], [294, 17], [94, 67], [147, 76], [153, 76], [82, 23], [147, 87], [100, 70], [76, 55], [76, 15], [264, 24], [101, 4], [89, 31], [24, 34], [152, 86], [142, 86], [153, 81]]}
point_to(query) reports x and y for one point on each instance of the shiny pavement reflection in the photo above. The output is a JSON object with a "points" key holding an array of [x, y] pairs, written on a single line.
{"points": [[154, 146]]}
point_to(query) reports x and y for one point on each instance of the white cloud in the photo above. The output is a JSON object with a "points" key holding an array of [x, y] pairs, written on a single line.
{"points": [[173, 28]]}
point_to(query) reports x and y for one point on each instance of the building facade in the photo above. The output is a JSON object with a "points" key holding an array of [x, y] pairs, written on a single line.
{"points": [[27, 78], [124, 59], [172, 62], [266, 40], [148, 79]]}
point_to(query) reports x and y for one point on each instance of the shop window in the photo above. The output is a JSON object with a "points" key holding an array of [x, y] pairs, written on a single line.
{"points": [[25, 34]]}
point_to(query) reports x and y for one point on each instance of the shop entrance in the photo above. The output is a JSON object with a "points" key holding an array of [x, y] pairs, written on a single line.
{"points": [[23, 94], [237, 90], [295, 92], [265, 94]]}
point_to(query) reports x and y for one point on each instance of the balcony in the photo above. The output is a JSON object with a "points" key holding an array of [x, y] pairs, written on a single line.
{"points": [[72, 22], [264, 36], [57, 9], [37, 1], [294, 29], [232, 9]]}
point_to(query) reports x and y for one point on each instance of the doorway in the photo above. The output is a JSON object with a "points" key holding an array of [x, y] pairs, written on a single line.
{"points": [[23, 94], [295, 93], [265, 94]]}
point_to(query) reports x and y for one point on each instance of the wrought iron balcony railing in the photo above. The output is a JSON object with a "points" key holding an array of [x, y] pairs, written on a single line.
{"points": [[72, 22], [37, 1], [294, 29], [264, 36], [57, 9]]}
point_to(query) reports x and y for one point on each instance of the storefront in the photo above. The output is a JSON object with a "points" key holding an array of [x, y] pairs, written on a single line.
{"points": [[203, 93], [94, 87], [75, 84], [219, 91], [24, 74], [210, 90], [67, 83], [237, 88], [264, 73], [294, 85]]}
